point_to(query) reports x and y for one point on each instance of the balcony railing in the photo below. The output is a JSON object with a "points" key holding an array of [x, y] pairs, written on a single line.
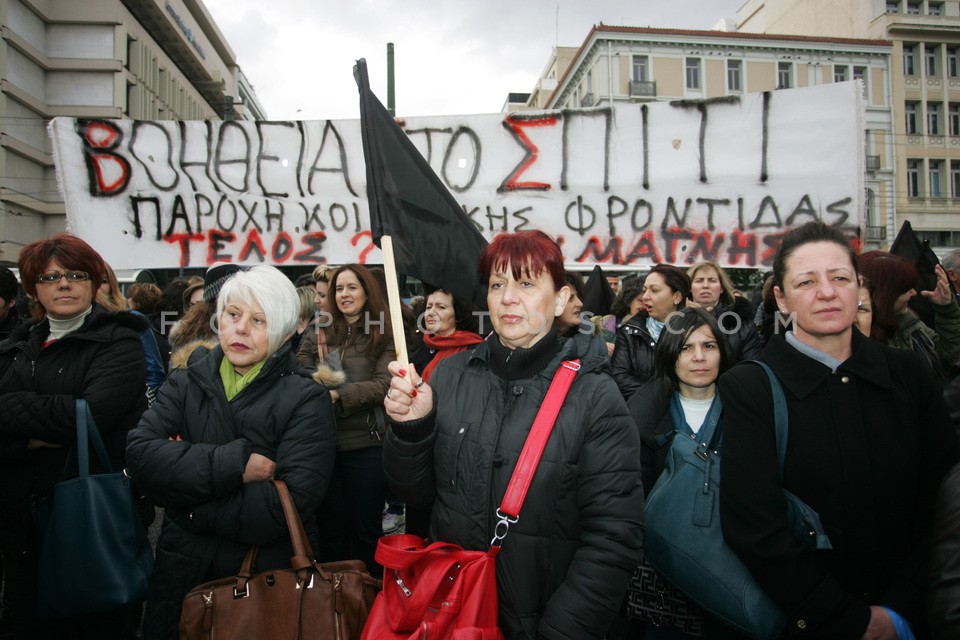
{"points": [[873, 163], [875, 233], [643, 88]]}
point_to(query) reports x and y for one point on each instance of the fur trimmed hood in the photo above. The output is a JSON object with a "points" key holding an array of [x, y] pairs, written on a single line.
{"points": [[328, 376], [180, 358]]}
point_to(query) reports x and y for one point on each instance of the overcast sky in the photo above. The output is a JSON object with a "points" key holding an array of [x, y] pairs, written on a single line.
{"points": [[451, 57]]}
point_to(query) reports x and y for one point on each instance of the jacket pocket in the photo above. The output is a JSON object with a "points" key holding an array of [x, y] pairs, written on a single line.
{"points": [[451, 465]]}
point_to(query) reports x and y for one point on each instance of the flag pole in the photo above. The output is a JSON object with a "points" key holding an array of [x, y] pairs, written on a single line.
{"points": [[393, 298]]}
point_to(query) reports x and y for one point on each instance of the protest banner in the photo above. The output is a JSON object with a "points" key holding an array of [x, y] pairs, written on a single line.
{"points": [[628, 185]]}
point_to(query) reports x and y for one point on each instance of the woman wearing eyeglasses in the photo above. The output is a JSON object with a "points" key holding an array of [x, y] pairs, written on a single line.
{"points": [[76, 350]]}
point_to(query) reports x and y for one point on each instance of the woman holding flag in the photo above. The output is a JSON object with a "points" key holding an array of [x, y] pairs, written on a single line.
{"points": [[454, 442]]}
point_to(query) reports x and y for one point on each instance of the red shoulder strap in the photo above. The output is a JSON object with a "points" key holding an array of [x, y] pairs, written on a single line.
{"points": [[537, 441]]}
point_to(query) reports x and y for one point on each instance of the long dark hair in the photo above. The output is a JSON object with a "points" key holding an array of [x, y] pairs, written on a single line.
{"points": [[676, 331], [375, 316]]}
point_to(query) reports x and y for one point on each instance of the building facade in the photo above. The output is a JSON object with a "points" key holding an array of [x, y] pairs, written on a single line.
{"points": [[924, 92], [623, 64], [138, 59]]}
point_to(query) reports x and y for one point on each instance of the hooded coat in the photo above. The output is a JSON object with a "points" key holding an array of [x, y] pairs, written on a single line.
{"points": [[189, 453], [564, 566]]}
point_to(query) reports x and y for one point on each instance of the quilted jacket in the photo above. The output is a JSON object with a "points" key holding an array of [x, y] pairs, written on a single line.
{"points": [[564, 567], [189, 453]]}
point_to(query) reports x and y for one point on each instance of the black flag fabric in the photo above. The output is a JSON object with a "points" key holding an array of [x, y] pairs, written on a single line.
{"points": [[598, 297], [433, 239], [908, 245]]}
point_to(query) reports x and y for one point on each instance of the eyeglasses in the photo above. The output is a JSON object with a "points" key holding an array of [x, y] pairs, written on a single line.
{"points": [[55, 276]]}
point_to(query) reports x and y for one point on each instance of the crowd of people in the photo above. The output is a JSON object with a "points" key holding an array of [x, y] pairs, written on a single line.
{"points": [[208, 389]]}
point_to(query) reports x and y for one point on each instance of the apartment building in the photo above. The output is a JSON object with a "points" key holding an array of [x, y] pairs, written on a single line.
{"points": [[924, 92], [622, 64], [139, 59]]}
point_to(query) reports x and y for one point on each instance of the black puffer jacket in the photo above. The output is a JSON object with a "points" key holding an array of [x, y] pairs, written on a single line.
{"points": [[212, 516], [632, 360], [944, 593], [564, 567], [102, 362]]}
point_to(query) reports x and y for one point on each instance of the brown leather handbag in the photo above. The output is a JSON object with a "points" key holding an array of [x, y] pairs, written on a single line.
{"points": [[307, 601]]}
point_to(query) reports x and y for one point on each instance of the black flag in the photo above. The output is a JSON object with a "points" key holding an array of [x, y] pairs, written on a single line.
{"points": [[433, 239], [599, 296], [908, 245]]}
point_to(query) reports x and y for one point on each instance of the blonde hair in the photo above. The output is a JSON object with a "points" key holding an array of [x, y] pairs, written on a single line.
{"points": [[115, 300], [323, 272], [726, 295]]}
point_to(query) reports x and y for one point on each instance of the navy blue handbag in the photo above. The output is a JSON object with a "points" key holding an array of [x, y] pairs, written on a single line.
{"points": [[683, 540], [94, 553]]}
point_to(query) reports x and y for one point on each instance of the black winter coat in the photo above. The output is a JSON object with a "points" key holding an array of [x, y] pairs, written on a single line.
{"points": [[564, 567], [212, 517], [103, 363], [739, 330], [944, 598], [650, 409], [632, 360], [868, 447]]}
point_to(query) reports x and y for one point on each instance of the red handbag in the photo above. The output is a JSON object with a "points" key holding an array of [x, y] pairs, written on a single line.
{"points": [[442, 591]]}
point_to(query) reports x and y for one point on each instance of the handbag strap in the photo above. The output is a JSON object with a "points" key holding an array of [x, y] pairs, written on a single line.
{"points": [[780, 420], [302, 552], [87, 431], [509, 511]]}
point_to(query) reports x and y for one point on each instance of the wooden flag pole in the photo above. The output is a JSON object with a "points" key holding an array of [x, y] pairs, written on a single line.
{"points": [[396, 310]]}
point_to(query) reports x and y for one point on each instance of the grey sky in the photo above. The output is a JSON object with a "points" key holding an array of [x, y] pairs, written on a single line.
{"points": [[451, 57]]}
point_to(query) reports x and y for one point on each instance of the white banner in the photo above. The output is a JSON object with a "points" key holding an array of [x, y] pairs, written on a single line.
{"points": [[636, 184]]}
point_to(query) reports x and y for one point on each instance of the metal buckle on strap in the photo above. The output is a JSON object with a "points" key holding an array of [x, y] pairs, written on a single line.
{"points": [[573, 366], [502, 528]]}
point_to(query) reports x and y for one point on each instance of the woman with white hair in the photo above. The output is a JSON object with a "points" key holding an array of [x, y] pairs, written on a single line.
{"points": [[238, 416]]}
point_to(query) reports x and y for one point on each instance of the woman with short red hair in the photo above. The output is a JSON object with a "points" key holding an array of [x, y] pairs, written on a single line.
{"points": [[895, 280], [455, 441], [77, 349]]}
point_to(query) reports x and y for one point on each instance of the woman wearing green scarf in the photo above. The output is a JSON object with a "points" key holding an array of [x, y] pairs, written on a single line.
{"points": [[239, 415]]}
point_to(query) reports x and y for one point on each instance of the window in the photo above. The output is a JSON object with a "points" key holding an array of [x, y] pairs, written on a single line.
{"points": [[839, 73], [913, 7], [893, 6], [913, 178], [952, 62], [955, 178], [909, 60], [693, 73], [936, 176], [784, 75], [910, 112], [860, 73], [930, 57], [640, 68], [734, 83], [933, 118], [955, 119], [935, 8], [940, 238]]}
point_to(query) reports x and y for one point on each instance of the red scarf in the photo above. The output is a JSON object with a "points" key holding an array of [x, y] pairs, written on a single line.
{"points": [[446, 346]]}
